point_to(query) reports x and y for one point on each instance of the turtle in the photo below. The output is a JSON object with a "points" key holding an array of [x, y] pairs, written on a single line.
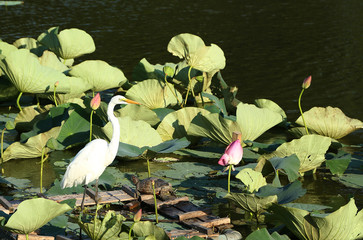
{"points": [[163, 189]]}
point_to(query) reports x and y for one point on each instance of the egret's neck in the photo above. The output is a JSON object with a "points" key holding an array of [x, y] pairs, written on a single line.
{"points": [[115, 140]]}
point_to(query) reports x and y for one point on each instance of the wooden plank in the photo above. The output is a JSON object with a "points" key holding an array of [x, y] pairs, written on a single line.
{"points": [[193, 214], [59, 237], [216, 222], [34, 237], [170, 212], [129, 191], [173, 201], [188, 233], [6, 204]]}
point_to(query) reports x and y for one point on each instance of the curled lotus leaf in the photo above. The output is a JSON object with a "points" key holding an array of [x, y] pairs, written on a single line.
{"points": [[252, 179], [29, 76], [138, 112], [266, 103], [254, 121], [99, 74], [49, 59], [176, 124], [32, 148], [6, 48], [310, 149], [193, 50], [330, 122], [69, 43], [28, 43], [344, 223], [252, 203], [154, 94], [26, 119]]}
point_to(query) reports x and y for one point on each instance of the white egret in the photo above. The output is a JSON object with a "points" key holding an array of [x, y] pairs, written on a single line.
{"points": [[92, 160]]}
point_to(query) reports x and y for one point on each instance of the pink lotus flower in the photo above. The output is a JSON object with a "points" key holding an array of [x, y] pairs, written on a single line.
{"points": [[137, 216], [56, 84], [96, 101], [306, 82], [232, 155]]}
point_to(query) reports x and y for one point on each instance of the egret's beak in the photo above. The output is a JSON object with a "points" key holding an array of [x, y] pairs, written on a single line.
{"points": [[130, 101]]}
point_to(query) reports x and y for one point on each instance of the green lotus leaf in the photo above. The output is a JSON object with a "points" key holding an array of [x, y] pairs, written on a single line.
{"points": [[352, 180], [213, 126], [137, 133], [33, 214], [10, 3], [251, 179], [49, 59], [330, 122], [193, 50], [265, 235], [32, 148], [344, 223], [252, 203], [153, 94], [28, 75], [285, 194], [145, 70], [100, 75], [6, 48], [176, 124], [138, 112], [148, 229], [298, 132], [108, 228], [310, 150], [28, 43], [337, 164], [26, 119], [254, 121], [290, 166], [69, 43], [7, 90]]}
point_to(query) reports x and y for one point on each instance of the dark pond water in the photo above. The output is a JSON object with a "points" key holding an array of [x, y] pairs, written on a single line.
{"points": [[270, 46]]}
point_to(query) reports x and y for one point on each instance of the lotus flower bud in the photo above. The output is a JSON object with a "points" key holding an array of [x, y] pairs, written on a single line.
{"points": [[137, 216], [56, 84], [306, 82], [232, 155], [96, 101]]}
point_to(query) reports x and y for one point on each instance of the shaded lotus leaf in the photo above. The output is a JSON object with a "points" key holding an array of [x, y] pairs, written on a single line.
{"points": [[108, 228], [310, 150], [32, 148], [213, 126], [138, 112], [162, 112], [266, 103], [31, 44], [352, 180], [254, 121], [28, 75], [251, 179], [344, 223], [10, 3], [285, 194], [33, 214], [330, 122], [289, 165], [148, 229], [338, 163], [217, 102], [49, 59], [298, 132], [137, 133], [193, 50], [176, 124], [7, 90], [307, 206], [265, 235], [25, 119], [99, 74], [153, 94], [69, 43], [252, 203], [145, 70]]}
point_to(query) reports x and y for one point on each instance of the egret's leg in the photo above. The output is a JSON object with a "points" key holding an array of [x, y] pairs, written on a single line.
{"points": [[96, 192]]}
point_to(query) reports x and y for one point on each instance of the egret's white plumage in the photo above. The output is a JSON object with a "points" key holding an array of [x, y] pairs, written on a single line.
{"points": [[92, 160]]}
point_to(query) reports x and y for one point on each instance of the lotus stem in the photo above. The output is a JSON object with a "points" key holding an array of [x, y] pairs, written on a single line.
{"points": [[54, 95], [301, 112], [167, 84], [41, 170], [90, 126], [95, 220], [38, 104], [155, 203], [132, 226], [18, 101], [189, 86], [26, 236], [2, 151], [148, 167], [229, 178]]}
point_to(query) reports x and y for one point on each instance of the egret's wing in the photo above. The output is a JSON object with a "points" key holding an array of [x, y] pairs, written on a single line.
{"points": [[87, 165]]}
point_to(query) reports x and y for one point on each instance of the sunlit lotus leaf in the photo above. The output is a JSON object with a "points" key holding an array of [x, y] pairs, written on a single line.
{"points": [[33, 214], [28, 75], [252, 203], [145, 70], [213, 126], [201, 57], [26, 119], [26, 42], [49, 59], [251, 179], [264, 234], [330, 122], [344, 223], [108, 228], [99, 74], [176, 124], [31, 148], [138, 112], [137, 133], [298, 132], [266, 103], [254, 121], [69, 43], [10, 3], [310, 150], [6, 48], [149, 230], [153, 94]]}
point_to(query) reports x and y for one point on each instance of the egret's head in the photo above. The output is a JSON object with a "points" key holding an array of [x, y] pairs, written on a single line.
{"points": [[118, 99]]}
